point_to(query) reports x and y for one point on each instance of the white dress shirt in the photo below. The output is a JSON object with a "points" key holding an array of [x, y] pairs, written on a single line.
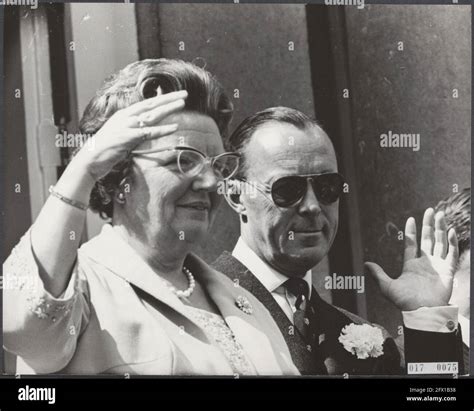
{"points": [[434, 319], [271, 279]]}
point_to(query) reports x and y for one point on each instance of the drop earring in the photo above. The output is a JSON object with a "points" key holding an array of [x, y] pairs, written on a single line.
{"points": [[121, 197]]}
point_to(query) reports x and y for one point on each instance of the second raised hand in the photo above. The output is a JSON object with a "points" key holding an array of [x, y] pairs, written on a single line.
{"points": [[427, 276]]}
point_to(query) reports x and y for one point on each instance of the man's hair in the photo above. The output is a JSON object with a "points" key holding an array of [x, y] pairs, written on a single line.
{"points": [[457, 209], [243, 133], [139, 81]]}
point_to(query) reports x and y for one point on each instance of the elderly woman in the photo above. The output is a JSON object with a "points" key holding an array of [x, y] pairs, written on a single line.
{"points": [[135, 299]]}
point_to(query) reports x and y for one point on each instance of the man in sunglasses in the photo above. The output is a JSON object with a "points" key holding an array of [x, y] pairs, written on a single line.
{"points": [[286, 194]]}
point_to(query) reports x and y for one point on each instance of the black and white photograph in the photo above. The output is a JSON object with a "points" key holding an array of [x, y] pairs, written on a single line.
{"points": [[236, 190]]}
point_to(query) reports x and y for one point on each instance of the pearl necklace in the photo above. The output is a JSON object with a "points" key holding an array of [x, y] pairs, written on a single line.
{"points": [[192, 283]]}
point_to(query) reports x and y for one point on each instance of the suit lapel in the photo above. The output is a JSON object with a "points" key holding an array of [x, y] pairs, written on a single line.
{"points": [[247, 328], [240, 275], [328, 326], [327, 322]]}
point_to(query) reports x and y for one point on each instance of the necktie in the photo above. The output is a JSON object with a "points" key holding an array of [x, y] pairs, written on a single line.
{"points": [[299, 288], [301, 318]]}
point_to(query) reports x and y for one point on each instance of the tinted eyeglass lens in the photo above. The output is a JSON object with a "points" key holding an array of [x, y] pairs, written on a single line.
{"points": [[190, 162], [288, 190], [226, 166], [328, 187]]}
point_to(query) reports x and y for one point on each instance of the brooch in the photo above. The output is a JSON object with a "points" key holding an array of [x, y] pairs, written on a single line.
{"points": [[244, 304]]}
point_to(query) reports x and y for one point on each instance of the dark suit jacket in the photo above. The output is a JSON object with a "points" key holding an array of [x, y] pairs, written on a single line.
{"points": [[325, 354]]}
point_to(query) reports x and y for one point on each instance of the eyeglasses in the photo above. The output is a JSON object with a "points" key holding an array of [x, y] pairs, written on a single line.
{"points": [[290, 190], [191, 161]]}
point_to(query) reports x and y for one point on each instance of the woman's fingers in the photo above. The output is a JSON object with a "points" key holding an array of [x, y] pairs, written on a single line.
{"points": [[154, 102], [441, 236], [427, 232], [411, 246], [138, 122], [137, 136], [154, 116]]}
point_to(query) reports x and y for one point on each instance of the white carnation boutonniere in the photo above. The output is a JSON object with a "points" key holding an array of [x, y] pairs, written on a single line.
{"points": [[362, 340]]}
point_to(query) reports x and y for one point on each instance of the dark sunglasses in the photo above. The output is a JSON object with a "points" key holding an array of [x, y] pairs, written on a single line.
{"points": [[290, 190]]}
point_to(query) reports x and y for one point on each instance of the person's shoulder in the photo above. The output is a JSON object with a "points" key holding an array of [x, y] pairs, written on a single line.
{"points": [[228, 284], [227, 264]]}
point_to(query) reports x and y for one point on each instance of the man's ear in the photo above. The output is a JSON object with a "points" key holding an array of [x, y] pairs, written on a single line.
{"points": [[232, 195]]}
